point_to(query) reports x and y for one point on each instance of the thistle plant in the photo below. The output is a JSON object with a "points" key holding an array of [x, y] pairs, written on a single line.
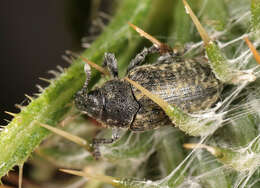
{"points": [[223, 150]]}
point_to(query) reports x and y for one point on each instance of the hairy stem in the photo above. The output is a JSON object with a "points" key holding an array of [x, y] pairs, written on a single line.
{"points": [[23, 135]]}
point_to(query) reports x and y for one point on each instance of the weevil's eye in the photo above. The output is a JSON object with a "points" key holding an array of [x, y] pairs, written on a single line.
{"points": [[91, 103]]}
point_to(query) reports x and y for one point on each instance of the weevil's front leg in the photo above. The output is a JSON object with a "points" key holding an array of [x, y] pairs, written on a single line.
{"points": [[98, 141], [139, 58], [111, 63]]}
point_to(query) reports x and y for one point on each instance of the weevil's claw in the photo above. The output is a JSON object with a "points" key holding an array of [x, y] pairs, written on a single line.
{"points": [[164, 48], [96, 152], [97, 141]]}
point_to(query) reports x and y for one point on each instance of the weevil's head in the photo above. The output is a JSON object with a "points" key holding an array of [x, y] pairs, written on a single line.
{"points": [[91, 103], [113, 104]]}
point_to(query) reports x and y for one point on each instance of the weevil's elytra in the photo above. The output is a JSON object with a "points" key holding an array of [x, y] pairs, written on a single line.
{"points": [[189, 84]]}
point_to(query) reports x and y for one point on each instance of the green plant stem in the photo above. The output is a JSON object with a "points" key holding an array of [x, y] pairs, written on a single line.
{"points": [[255, 15], [218, 63], [23, 135]]}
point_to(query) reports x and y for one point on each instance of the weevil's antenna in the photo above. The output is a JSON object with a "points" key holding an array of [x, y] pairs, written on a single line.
{"points": [[88, 76], [164, 48], [92, 64], [253, 50]]}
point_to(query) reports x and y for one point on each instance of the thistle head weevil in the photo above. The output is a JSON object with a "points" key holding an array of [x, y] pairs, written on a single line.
{"points": [[187, 83]]}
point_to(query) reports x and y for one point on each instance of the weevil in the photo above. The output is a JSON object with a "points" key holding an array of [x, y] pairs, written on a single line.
{"points": [[189, 84]]}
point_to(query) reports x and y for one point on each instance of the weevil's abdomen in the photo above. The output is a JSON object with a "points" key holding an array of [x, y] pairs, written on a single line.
{"points": [[190, 85]]}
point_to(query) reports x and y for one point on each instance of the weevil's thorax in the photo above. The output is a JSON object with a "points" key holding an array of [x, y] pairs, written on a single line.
{"points": [[190, 84], [120, 104], [112, 105]]}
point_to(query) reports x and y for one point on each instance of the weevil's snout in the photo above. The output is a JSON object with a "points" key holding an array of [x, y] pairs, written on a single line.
{"points": [[91, 103], [94, 103]]}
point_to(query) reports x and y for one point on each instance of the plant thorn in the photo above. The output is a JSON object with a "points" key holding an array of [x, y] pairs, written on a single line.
{"points": [[204, 35], [107, 179], [20, 182], [18, 106], [163, 47], [67, 59], [60, 68], [71, 137], [10, 113], [45, 79], [164, 105], [213, 150], [92, 64], [29, 97], [39, 88], [6, 120], [253, 50]]}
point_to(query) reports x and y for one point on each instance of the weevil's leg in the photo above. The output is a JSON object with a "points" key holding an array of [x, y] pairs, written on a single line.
{"points": [[139, 58], [98, 141], [115, 133], [111, 63]]}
